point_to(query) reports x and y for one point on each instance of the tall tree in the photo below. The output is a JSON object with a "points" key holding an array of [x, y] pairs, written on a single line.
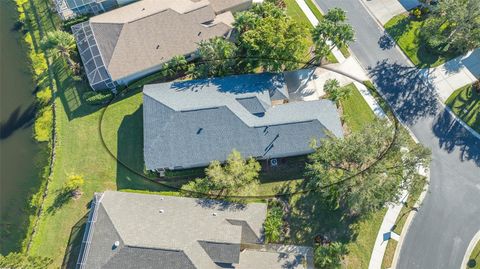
{"points": [[365, 170], [62, 44], [237, 176], [217, 58], [454, 26], [269, 39], [332, 31]]}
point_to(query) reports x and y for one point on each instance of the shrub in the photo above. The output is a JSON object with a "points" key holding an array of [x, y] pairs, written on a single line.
{"points": [[67, 25], [334, 91], [21, 260], [97, 98], [39, 63], [44, 96], [273, 224], [74, 182], [43, 125], [73, 185], [476, 86], [416, 12], [329, 255]]}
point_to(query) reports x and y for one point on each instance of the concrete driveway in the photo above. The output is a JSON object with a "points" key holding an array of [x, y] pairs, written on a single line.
{"points": [[384, 10], [456, 73], [450, 214]]}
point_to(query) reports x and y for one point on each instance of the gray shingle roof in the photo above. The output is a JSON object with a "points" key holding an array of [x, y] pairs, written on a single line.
{"points": [[168, 232], [190, 123], [140, 37]]}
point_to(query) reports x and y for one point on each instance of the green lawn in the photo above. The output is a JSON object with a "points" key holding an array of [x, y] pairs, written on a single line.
{"points": [[474, 261], [356, 111], [80, 150], [405, 31], [465, 103]]}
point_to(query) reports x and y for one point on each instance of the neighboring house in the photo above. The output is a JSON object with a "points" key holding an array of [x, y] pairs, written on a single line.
{"points": [[190, 123], [68, 9], [125, 44], [129, 230]]}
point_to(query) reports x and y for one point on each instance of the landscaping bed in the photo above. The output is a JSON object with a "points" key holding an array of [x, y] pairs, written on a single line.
{"points": [[465, 103]]}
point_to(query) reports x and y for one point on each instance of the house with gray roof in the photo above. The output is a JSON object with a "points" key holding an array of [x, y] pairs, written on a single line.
{"points": [[125, 44], [129, 230], [190, 123]]}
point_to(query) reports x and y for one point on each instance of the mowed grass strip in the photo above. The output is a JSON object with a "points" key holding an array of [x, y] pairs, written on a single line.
{"points": [[406, 32], [465, 103], [356, 112]]}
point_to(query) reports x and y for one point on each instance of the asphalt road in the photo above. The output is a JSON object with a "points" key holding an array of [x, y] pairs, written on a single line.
{"points": [[450, 214]]}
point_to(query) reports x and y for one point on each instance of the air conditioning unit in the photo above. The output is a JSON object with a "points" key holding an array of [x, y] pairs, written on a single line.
{"points": [[273, 162]]}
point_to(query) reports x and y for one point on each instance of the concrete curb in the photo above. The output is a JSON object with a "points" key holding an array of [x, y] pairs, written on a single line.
{"points": [[461, 122], [471, 246], [410, 218]]}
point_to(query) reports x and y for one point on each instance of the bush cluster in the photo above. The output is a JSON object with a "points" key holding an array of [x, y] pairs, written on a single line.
{"points": [[97, 98], [273, 225], [43, 125]]}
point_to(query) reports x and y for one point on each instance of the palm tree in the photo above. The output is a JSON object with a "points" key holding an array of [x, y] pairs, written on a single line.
{"points": [[62, 44], [332, 32]]}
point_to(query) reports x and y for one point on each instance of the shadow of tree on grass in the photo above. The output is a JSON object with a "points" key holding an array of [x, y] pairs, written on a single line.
{"points": [[62, 196]]}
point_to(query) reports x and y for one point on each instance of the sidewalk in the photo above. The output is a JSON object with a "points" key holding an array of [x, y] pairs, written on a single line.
{"points": [[354, 72], [455, 73], [385, 233], [384, 10]]}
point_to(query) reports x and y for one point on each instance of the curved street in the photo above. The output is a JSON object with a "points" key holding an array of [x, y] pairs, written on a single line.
{"points": [[450, 216]]}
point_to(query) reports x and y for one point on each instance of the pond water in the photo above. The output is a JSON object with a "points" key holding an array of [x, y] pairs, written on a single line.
{"points": [[19, 154]]}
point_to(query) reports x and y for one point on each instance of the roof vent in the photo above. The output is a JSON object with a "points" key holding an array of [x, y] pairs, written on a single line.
{"points": [[214, 213], [116, 244], [161, 211], [161, 198], [158, 46]]}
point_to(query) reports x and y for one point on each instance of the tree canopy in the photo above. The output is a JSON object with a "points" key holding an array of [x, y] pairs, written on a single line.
{"points": [[61, 44], [236, 177], [454, 26], [270, 39], [217, 58], [365, 170], [333, 31]]}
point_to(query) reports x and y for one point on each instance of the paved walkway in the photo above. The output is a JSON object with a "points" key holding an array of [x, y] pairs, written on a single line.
{"points": [[455, 73], [384, 10], [385, 233]]}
